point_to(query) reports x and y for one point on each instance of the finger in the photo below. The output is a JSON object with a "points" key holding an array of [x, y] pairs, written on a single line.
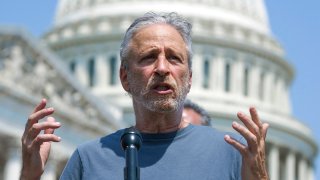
{"points": [[50, 130], [255, 117], [35, 117], [249, 136], [265, 127], [240, 147], [41, 138], [40, 106], [38, 127], [247, 121]]}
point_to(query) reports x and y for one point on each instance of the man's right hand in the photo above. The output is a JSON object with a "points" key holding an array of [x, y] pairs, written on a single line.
{"points": [[36, 145]]}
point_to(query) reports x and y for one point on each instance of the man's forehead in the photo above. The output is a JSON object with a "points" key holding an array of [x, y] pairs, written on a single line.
{"points": [[156, 36], [157, 30]]}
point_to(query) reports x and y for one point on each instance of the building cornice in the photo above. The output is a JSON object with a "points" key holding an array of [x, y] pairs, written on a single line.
{"points": [[265, 54], [59, 83]]}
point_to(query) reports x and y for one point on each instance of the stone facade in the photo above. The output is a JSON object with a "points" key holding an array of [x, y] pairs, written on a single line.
{"points": [[29, 72]]}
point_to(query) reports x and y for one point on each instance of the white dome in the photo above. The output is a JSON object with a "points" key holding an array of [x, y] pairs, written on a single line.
{"points": [[248, 14], [243, 21]]}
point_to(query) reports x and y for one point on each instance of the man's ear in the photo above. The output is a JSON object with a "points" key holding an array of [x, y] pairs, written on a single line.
{"points": [[124, 78]]}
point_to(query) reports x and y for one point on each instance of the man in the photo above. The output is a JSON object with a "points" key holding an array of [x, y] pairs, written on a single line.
{"points": [[156, 71], [194, 114]]}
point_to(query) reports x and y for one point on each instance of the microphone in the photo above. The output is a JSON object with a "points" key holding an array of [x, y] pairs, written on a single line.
{"points": [[131, 141]]}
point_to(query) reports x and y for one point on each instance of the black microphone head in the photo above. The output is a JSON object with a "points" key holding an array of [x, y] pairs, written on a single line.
{"points": [[131, 137]]}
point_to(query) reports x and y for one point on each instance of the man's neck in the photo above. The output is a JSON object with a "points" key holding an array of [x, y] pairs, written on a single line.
{"points": [[158, 122]]}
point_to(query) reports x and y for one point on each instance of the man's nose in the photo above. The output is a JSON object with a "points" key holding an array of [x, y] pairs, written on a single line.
{"points": [[162, 66]]}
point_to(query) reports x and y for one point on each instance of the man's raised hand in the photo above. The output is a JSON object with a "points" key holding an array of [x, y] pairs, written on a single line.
{"points": [[36, 141], [253, 155]]}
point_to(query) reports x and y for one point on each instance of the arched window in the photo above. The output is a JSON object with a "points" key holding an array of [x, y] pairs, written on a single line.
{"points": [[91, 71], [227, 77], [112, 70], [206, 73]]}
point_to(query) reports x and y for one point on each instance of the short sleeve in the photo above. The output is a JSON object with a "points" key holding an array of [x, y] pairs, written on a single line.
{"points": [[74, 168]]}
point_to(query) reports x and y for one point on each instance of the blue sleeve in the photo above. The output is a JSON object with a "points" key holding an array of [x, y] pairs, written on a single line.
{"points": [[73, 169]]}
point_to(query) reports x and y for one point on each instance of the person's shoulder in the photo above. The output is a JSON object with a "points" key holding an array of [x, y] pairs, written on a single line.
{"points": [[106, 140], [211, 132], [207, 130]]}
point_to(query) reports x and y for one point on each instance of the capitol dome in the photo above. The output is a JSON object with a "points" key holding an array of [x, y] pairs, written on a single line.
{"points": [[248, 14], [237, 63]]}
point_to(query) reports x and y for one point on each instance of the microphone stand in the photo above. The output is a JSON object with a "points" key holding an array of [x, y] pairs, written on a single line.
{"points": [[131, 141]]}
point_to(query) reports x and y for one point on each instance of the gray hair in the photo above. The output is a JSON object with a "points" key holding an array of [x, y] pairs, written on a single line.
{"points": [[150, 18], [205, 117]]}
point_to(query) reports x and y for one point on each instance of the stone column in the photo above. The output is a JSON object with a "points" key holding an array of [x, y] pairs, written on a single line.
{"points": [[310, 173], [238, 77], [302, 169], [284, 96], [218, 73], [101, 70], [212, 78], [109, 58], [231, 75], [13, 164], [274, 158], [254, 77], [81, 71], [277, 89], [118, 64], [269, 86], [197, 71], [290, 166]]}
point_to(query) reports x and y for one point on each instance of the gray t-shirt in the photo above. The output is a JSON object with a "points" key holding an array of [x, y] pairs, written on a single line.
{"points": [[193, 153]]}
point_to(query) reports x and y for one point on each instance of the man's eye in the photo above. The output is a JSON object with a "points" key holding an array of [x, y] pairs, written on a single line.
{"points": [[174, 58], [147, 58]]}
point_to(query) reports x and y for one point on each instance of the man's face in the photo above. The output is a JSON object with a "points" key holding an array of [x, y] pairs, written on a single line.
{"points": [[158, 76], [190, 116]]}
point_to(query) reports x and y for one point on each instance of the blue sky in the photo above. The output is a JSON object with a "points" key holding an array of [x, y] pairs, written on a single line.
{"points": [[295, 24]]}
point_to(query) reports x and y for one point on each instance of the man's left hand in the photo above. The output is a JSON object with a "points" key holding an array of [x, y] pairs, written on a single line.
{"points": [[253, 155]]}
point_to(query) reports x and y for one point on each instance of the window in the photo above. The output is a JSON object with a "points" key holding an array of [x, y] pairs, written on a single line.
{"points": [[227, 77], [73, 66], [112, 70], [91, 72], [206, 73]]}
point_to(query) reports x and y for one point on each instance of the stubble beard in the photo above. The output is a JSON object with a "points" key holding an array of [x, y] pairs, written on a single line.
{"points": [[159, 103]]}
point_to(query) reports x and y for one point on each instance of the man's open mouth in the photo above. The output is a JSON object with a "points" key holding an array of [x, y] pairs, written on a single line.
{"points": [[162, 88]]}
